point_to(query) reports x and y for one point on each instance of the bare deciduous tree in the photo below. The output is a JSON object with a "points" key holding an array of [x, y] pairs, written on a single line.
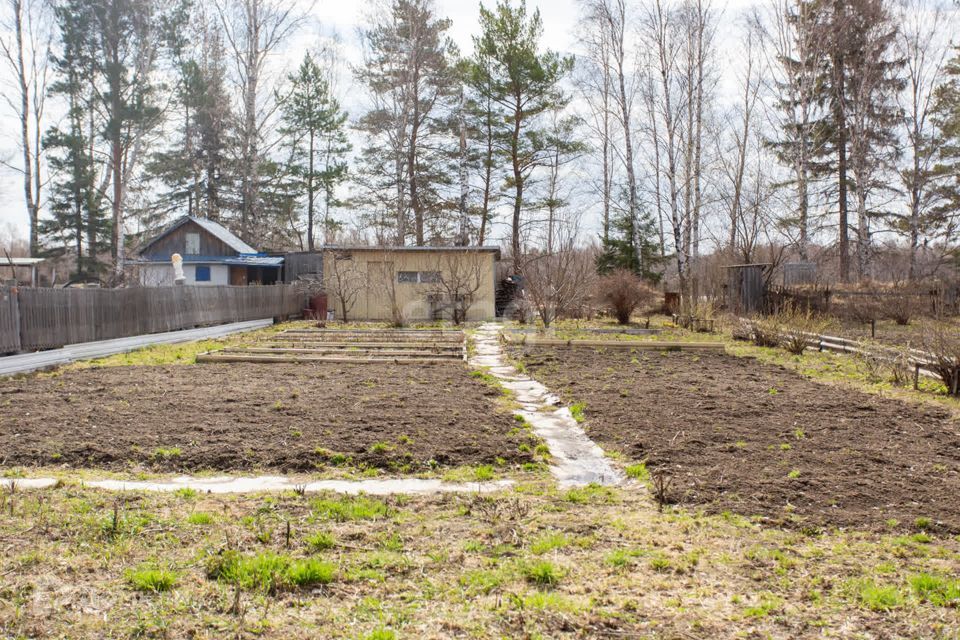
{"points": [[559, 282], [345, 281], [460, 276], [26, 54], [254, 29]]}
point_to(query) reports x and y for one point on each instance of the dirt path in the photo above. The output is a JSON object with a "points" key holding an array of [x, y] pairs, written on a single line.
{"points": [[577, 460]]}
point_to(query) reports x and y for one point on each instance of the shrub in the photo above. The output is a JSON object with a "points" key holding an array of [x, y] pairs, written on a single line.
{"points": [[623, 291], [898, 304], [941, 341]]}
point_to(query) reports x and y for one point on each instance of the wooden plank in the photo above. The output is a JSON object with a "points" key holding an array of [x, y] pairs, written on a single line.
{"points": [[216, 356], [646, 345], [364, 352]]}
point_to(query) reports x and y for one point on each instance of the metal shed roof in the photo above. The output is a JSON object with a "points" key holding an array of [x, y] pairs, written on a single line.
{"points": [[213, 228], [426, 249]]}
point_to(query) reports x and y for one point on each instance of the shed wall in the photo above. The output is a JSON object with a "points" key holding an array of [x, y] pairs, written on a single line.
{"points": [[381, 268]]}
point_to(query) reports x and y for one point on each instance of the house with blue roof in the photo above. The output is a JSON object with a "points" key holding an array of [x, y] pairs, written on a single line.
{"points": [[212, 255]]}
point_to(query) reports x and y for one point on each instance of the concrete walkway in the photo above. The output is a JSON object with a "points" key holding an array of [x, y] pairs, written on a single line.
{"points": [[577, 460], [24, 362]]}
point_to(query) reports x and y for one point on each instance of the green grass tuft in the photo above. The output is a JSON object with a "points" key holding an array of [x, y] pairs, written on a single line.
{"points": [[543, 573], [877, 597], [321, 541], [347, 508], [937, 590], [151, 579], [577, 411], [638, 472], [549, 542], [268, 571], [200, 518]]}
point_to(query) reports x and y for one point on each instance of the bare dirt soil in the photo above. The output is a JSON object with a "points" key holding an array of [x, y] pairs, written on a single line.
{"points": [[243, 416], [735, 434]]}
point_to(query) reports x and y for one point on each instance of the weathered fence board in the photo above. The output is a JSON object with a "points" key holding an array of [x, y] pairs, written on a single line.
{"points": [[50, 318], [9, 321]]}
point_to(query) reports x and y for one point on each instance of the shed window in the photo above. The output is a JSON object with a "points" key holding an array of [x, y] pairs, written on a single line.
{"points": [[192, 247], [422, 277], [202, 274]]}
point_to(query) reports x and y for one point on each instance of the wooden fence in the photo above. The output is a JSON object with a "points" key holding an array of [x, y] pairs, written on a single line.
{"points": [[9, 321], [50, 318]]}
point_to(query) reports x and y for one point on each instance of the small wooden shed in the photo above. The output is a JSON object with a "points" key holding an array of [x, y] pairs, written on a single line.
{"points": [[746, 288]]}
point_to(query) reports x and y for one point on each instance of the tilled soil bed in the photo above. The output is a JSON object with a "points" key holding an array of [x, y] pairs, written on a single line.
{"points": [[734, 434], [286, 417]]}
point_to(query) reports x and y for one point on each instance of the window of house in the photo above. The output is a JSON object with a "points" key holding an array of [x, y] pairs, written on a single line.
{"points": [[192, 244], [407, 276], [202, 274], [429, 277]]}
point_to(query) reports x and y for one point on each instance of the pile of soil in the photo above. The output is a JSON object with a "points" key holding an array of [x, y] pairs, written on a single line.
{"points": [[735, 434], [288, 417]]}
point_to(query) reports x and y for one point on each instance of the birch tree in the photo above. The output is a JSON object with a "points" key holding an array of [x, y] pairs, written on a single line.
{"points": [[924, 27], [254, 29], [26, 53]]}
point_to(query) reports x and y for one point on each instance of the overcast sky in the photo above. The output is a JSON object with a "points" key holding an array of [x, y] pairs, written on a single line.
{"points": [[343, 16]]}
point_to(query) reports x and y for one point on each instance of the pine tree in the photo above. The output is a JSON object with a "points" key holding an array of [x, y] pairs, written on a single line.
{"points": [[408, 160], [126, 54], [631, 244], [523, 82], [77, 224], [314, 127], [945, 218], [859, 83], [193, 169]]}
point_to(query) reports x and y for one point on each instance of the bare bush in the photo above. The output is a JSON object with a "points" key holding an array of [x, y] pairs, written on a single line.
{"points": [[864, 309], [897, 304], [556, 284], [941, 341], [791, 328], [461, 276], [623, 292], [765, 331]]}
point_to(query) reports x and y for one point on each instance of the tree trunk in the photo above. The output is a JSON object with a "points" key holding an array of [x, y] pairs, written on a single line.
{"points": [[310, 191], [518, 182]]}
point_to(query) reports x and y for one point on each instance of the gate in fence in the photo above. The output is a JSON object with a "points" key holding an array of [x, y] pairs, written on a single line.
{"points": [[41, 318]]}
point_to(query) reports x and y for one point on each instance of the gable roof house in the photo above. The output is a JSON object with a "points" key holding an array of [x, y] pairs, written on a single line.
{"points": [[212, 255]]}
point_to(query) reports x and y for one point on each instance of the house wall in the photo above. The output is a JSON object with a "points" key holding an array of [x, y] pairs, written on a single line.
{"points": [[378, 271], [161, 275], [176, 242]]}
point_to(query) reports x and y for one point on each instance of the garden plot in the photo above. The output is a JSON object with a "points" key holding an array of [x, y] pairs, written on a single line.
{"points": [[232, 417], [354, 346], [734, 434]]}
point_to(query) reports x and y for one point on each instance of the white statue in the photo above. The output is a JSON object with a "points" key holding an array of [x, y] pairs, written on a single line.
{"points": [[178, 277]]}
